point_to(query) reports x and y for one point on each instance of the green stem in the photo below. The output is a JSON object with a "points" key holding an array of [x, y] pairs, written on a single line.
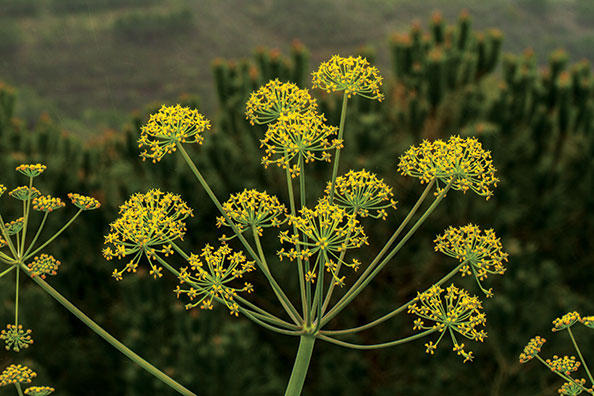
{"points": [[26, 207], [7, 271], [394, 312], [108, 337], [16, 298], [7, 237], [340, 135], [18, 388], [577, 348], [286, 303], [302, 199], [340, 306], [26, 257], [377, 346], [6, 259], [37, 234], [301, 365], [565, 377]]}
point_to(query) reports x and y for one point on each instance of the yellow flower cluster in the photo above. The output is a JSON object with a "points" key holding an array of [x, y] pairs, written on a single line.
{"points": [[480, 252], [328, 231], [460, 161], [306, 137], [588, 321], [362, 194], [24, 193], [573, 388], [2, 189], [16, 338], [565, 365], [44, 265], [209, 275], [456, 311], [276, 101], [532, 349], [168, 127], [252, 208], [14, 226], [31, 170], [47, 203], [16, 374], [148, 223], [566, 321], [354, 76], [39, 391], [83, 202]]}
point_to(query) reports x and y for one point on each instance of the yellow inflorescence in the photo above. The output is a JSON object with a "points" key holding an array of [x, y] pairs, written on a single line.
{"points": [[209, 275], [24, 193], [566, 321], [456, 311], [2, 189], [168, 127], [460, 161], [304, 138], [572, 388], [47, 203], [480, 252], [31, 170], [532, 349], [588, 321], [14, 226], [361, 193], [44, 265], [16, 338], [354, 76], [147, 225], [565, 365], [83, 202], [252, 208], [276, 100], [16, 374], [329, 231], [39, 391]]}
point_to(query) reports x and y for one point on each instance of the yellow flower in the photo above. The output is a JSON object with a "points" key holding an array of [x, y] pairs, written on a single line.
{"points": [[39, 391], [566, 321], [44, 265], [168, 127], [301, 138], [362, 193], [16, 374], [83, 202], [532, 349], [23, 193], [329, 231], [47, 203], [277, 101], [480, 252], [16, 338], [565, 365], [252, 208], [31, 170], [354, 76], [15, 226], [573, 388], [148, 223], [2, 189], [209, 275], [588, 321], [455, 312], [462, 162]]}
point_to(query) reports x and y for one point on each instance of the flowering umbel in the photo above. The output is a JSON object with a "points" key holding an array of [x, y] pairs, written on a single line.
{"points": [[460, 162], [209, 275], [84, 202], [147, 225], [301, 138], [24, 193], [31, 170], [454, 312], [44, 265], [168, 127], [16, 374], [16, 338], [353, 75], [566, 321], [361, 193], [479, 251], [330, 231], [276, 101], [39, 391], [47, 203], [252, 208], [532, 349]]}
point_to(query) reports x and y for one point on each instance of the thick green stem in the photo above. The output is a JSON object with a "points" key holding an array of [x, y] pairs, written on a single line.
{"points": [[577, 348], [377, 346], [108, 337], [306, 345], [16, 297], [285, 302], [340, 135]]}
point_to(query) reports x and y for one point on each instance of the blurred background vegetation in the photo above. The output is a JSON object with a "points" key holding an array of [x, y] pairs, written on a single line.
{"points": [[81, 76]]}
